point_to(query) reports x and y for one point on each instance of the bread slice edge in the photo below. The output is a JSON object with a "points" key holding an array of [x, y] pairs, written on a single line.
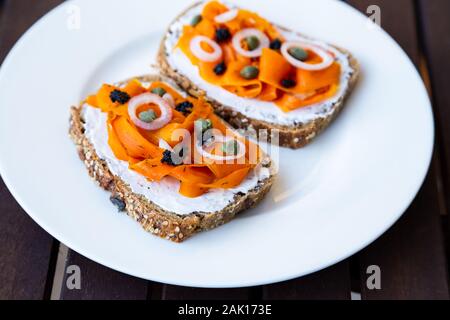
{"points": [[150, 216]]}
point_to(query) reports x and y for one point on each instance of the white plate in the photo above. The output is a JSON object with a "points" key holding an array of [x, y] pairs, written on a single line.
{"points": [[332, 198]]}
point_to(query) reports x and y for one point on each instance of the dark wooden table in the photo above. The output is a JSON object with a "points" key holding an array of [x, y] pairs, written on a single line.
{"points": [[412, 255]]}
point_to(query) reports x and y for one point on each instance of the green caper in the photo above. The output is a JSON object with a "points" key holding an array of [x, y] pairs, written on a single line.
{"points": [[196, 20], [203, 125], [298, 53], [230, 147], [252, 42], [159, 91], [147, 116], [249, 72]]}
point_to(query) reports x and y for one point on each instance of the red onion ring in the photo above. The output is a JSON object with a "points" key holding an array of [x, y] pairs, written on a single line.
{"points": [[226, 16], [168, 97], [264, 42], [198, 51], [145, 98], [327, 59], [221, 139]]}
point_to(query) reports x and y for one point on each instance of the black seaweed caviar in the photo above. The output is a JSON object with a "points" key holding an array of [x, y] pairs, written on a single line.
{"points": [[223, 35], [184, 107], [220, 69], [275, 44], [119, 96], [288, 83], [170, 158], [167, 158], [119, 203]]}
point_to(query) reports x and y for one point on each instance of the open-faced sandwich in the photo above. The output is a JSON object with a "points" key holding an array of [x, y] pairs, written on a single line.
{"points": [[256, 74], [167, 159]]}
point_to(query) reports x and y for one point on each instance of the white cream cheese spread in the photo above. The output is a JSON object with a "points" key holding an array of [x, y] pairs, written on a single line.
{"points": [[164, 193]]}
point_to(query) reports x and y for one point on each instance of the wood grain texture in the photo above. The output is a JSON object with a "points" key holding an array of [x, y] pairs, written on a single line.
{"points": [[26, 249], [186, 293], [330, 284], [101, 283], [435, 23], [411, 255]]}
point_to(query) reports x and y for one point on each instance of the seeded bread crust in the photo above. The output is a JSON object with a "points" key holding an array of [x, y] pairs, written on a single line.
{"points": [[162, 223], [295, 136]]}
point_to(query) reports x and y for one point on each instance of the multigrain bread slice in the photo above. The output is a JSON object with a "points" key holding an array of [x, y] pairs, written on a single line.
{"points": [[153, 218], [295, 135]]}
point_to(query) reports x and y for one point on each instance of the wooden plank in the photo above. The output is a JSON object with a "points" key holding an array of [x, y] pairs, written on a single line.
{"points": [[330, 284], [186, 293], [99, 282], [435, 18], [25, 249], [333, 283], [25, 252], [411, 255]]}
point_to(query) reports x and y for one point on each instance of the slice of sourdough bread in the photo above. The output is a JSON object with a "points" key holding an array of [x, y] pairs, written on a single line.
{"points": [[152, 217], [295, 130]]}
